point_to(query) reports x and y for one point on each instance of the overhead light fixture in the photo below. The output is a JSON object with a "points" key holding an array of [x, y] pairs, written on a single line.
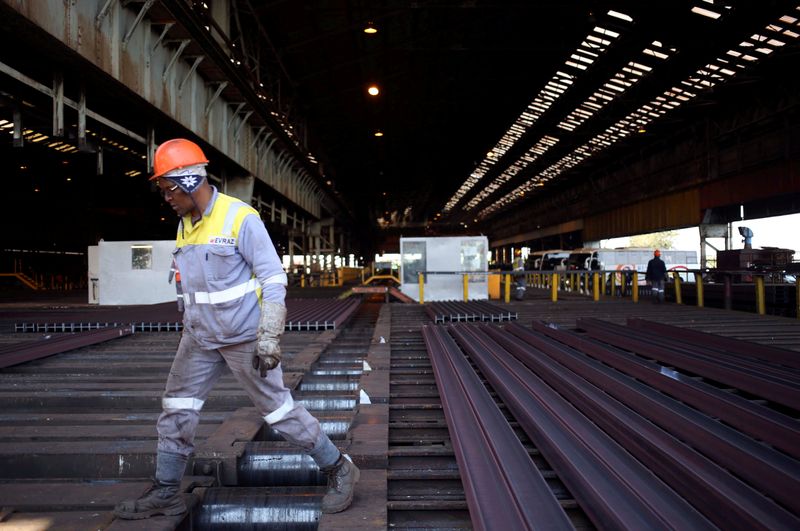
{"points": [[373, 90], [370, 29], [378, 133]]}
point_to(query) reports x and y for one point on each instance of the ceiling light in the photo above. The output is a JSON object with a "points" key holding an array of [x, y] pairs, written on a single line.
{"points": [[379, 133], [373, 90], [370, 29], [706, 12]]}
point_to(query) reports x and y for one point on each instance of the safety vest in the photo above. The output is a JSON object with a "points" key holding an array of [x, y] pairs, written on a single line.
{"points": [[222, 296]]}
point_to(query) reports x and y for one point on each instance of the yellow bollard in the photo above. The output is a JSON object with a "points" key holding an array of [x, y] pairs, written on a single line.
{"points": [[554, 288], [602, 283], [595, 287], [698, 280], [613, 279], [422, 288], [303, 280], [507, 290], [466, 287], [678, 297], [635, 286], [760, 300]]}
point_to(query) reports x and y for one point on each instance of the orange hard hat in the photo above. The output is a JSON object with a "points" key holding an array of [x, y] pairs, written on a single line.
{"points": [[656, 253], [176, 153]]}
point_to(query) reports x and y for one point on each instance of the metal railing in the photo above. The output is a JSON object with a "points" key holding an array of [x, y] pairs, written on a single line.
{"points": [[599, 284]]}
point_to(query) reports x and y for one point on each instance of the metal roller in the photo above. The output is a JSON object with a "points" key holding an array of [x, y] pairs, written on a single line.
{"points": [[322, 403], [335, 429], [270, 509], [263, 465], [329, 383], [338, 372]]}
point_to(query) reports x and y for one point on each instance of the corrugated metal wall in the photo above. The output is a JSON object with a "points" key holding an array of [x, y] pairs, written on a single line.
{"points": [[681, 209]]}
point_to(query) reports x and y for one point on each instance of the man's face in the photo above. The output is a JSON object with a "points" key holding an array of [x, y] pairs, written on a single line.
{"points": [[180, 201]]}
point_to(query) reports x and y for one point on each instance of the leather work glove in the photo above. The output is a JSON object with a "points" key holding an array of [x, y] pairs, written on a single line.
{"points": [[270, 328]]}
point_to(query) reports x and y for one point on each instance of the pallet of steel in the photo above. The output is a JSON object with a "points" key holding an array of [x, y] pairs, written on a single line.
{"points": [[503, 487], [318, 314], [471, 311], [17, 353], [699, 458]]}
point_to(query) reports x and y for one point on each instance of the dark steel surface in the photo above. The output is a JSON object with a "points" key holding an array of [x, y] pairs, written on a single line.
{"points": [[502, 485], [612, 487], [754, 419], [747, 379], [768, 470], [747, 348], [319, 314], [15, 354], [720, 496]]}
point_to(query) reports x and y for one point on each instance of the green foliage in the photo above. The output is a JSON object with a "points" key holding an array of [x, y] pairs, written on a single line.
{"points": [[656, 240]]}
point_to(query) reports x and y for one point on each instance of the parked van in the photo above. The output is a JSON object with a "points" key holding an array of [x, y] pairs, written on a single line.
{"points": [[630, 259], [550, 260]]}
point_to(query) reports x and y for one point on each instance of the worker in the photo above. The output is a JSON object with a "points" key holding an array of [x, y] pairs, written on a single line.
{"points": [[656, 275], [518, 266], [233, 290]]}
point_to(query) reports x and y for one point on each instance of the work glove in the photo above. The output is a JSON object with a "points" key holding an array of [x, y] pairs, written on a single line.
{"points": [[270, 328]]}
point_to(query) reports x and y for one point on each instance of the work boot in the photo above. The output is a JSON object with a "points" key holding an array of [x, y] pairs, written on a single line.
{"points": [[164, 497], [158, 500], [342, 479]]}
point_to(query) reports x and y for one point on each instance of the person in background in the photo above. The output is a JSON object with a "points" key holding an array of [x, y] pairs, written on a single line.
{"points": [[518, 266], [656, 275], [233, 290]]}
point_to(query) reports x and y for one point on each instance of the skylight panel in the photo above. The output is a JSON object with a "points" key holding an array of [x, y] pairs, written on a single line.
{"points": [[621, 16], [706, 12], [606, 32]]}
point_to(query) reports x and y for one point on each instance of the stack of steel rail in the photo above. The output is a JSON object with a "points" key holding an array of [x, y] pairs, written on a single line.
{"points": [[457, 311], [640, 444], [302, 314], [319, 314], [162, 317]]}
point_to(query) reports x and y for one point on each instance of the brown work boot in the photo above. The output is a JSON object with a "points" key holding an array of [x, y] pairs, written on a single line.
{"points": [[158, 500], [342, 479]]}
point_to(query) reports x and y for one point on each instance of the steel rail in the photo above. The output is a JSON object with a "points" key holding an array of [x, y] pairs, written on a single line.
{"points": [[776, 355], [720, 496], [459, 311], [780, 392], [777, 429], [781, 375], [771, 471], [503, 487], [34, 350], [613, 488], [763, 368]]}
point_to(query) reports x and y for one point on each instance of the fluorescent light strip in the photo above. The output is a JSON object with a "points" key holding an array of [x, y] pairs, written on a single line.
{"points": [[658, 107], [553, 90]]}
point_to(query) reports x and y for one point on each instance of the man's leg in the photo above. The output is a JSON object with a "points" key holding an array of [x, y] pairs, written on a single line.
{"points": [[274, 401], [194, 372]]}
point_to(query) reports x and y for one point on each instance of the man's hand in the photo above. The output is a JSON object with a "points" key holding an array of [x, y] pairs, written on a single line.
{"points": [[270, 328]]}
